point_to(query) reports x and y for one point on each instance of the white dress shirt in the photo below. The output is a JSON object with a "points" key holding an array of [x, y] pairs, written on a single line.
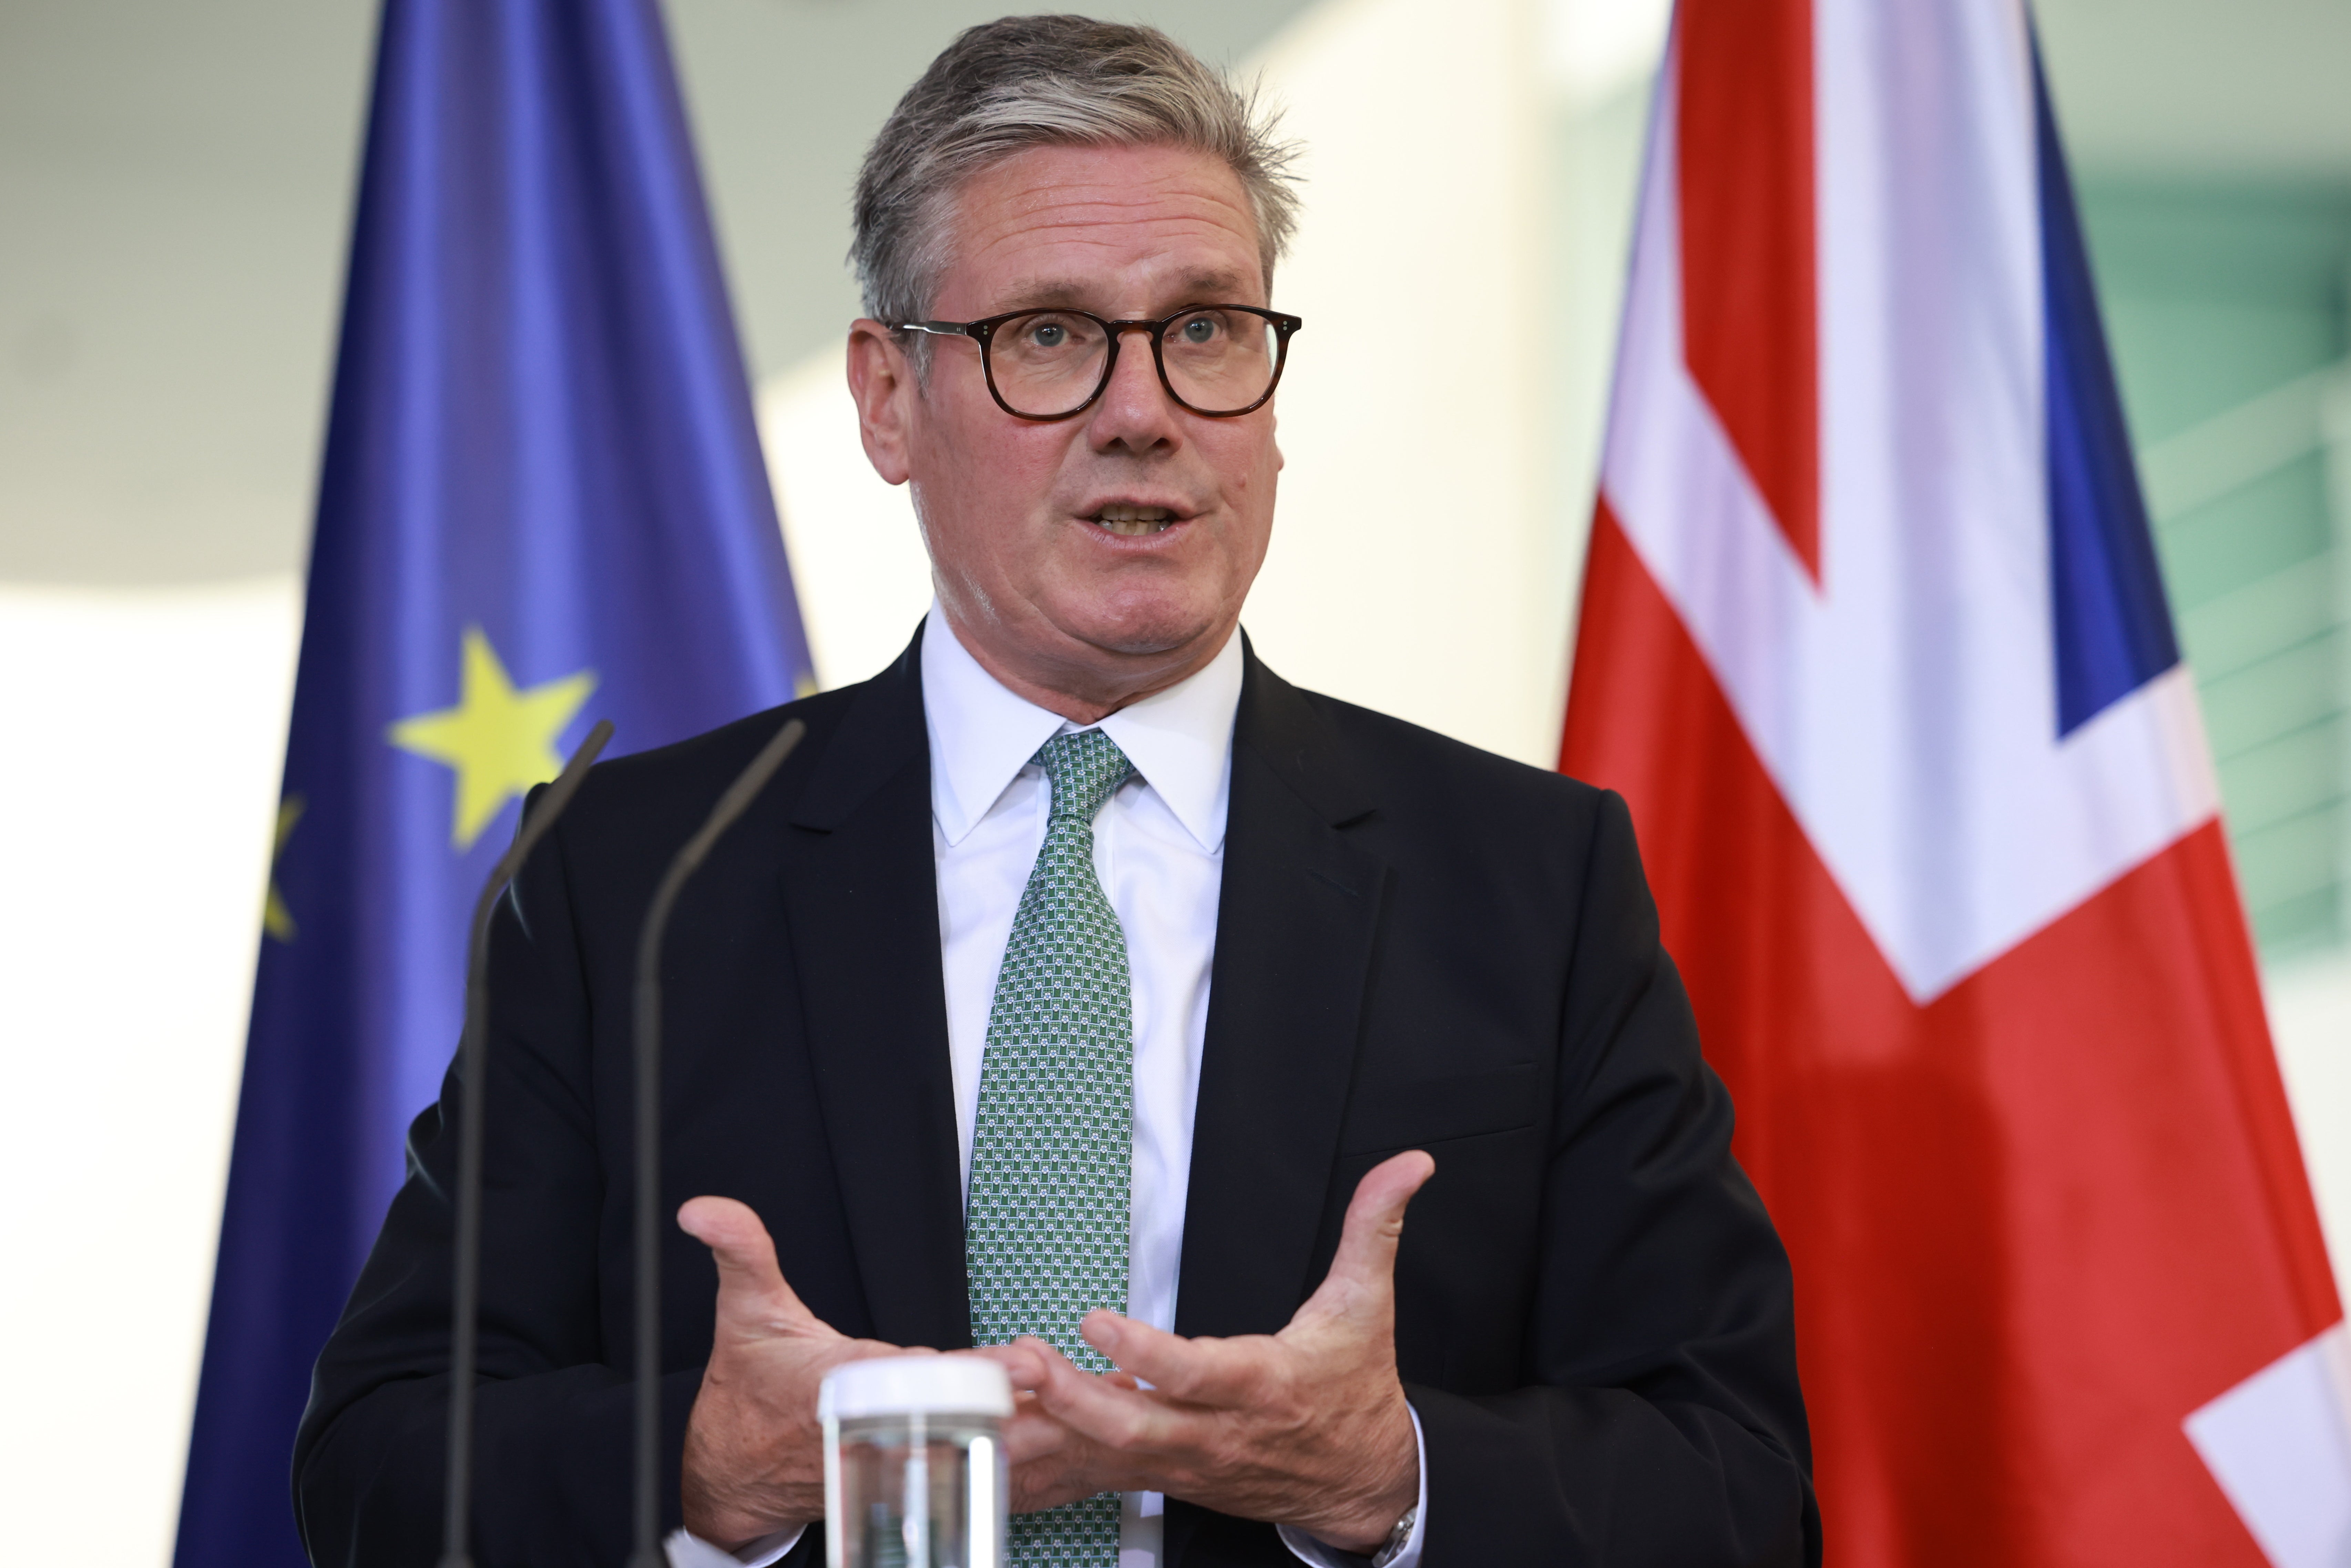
{"points": [[1159, 850]]}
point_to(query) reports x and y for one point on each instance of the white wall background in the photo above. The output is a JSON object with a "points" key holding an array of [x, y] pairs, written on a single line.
{"points": [[142, 734]]}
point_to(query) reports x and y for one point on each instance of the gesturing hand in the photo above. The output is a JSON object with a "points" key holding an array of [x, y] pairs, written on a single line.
{"points": [[1307, 1427], [754, 1450]]}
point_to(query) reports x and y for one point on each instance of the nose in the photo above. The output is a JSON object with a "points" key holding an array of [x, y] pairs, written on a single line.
{"points": [[1134, 411]]}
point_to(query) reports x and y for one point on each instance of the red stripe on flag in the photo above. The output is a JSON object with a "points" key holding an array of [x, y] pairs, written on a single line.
{"points": [[2035, 1223], [1748, 301]]}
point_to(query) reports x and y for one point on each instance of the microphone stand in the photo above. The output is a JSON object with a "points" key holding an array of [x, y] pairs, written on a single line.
{"points": [[473, 1051], [731, 805]]}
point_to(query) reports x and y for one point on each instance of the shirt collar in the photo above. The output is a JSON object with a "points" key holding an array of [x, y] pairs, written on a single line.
{"points": [[981, 735]]}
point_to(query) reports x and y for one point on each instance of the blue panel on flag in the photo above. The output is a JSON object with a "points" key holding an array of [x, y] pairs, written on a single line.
{"points": [[2113, 623], [542, 504]]}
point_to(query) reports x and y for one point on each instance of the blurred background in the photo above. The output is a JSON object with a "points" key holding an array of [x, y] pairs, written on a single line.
{"points": [[175, 184]]}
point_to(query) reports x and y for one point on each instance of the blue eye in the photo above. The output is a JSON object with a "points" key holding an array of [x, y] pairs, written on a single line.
{"points": [[1199, 329], [1050, 335]]}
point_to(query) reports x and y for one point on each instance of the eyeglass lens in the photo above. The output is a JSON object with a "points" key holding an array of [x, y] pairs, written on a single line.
{"points": [[1050, 362]]}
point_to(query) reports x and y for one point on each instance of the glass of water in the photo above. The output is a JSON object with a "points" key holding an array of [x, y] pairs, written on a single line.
{"points": [[913, 1463]]}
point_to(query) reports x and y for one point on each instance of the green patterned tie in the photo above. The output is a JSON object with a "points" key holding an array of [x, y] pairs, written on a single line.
{"points": [[1053, 1147]]}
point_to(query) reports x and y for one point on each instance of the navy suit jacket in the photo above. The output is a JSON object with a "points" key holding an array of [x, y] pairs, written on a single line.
{"points": [[1419, 945]]}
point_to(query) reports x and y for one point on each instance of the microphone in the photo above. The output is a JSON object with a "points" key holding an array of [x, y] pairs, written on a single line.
{"points": [[731, 805], [473, 1051]]}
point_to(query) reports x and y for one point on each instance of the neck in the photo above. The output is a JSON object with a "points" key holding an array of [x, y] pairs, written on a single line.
{"points": [[1081, 689]]}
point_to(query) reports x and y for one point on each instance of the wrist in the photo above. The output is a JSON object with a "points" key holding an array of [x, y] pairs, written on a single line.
{"points": [[1387, 1506], [733, 1529], [1398, 1539], [729, 1498], [1362, 1539]]}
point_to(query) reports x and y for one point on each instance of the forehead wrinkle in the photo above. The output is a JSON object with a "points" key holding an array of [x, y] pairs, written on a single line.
{"points": [[1044, 193], [1197, 287], [1048, 174], [1120, 199], [1132, 236], [1120, 249], [1208, 222], [1186, 230]]}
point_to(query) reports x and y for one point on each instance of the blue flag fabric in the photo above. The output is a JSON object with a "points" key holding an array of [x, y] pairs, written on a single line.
{"points": [[542, 504]]}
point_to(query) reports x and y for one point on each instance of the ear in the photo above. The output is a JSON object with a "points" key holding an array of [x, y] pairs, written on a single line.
{"points": [[882, 383]]}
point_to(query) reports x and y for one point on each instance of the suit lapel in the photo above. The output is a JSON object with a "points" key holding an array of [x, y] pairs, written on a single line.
{"points": [[1297, 919], [1296, 922], [863, 898]]}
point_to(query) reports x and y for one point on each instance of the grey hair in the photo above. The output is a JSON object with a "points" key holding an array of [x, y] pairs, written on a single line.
{"points": [[1008, 86]]}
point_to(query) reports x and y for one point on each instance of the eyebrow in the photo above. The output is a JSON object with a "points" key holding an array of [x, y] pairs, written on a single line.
{"points": [[1062, 294]]}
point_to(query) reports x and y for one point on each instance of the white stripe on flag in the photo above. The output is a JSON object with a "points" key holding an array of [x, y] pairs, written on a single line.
{"points": [[2280, 1445], [1907, 708]]}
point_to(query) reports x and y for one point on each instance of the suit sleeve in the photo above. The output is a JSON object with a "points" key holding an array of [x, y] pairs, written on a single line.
{"points": [[1662, 1423], [553, 1420]]}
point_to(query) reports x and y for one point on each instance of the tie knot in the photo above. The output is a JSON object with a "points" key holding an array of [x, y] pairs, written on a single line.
{"points": [[1085, 768]]}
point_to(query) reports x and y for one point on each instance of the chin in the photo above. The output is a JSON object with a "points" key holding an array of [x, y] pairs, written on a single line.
{"points": [[1139, 631]]}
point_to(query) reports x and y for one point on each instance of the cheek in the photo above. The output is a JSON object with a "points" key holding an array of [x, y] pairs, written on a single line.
{"points": [[1251, 462], [985, 480], [974, 489]]}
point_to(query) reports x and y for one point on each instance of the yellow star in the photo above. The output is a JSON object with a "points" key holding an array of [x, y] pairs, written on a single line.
{"points": [[501, 741], [275, 918]]}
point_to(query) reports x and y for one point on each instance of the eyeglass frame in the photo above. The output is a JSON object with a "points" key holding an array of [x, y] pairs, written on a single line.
{"points": [[983, 333]]}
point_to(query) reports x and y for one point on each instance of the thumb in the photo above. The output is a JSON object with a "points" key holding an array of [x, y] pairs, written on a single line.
{"points": [[753, 1298], [1363, 1272]]}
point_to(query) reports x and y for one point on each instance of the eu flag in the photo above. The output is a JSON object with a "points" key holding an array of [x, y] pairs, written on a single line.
{"points": [[542, 504]]}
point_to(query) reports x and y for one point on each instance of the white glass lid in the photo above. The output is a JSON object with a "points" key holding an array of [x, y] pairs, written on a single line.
{"points": [[915, 1386]]}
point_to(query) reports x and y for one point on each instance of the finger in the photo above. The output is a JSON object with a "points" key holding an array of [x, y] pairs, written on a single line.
{"points": [[1363, 1272], [1119, 1417], [1073, 1469], [1030, 1434], [752, 1295], [1031, 1431], [1052, 1465], [1218, 1371], [1019, 1360]]}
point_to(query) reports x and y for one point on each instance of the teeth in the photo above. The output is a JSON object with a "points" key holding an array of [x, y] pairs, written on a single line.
{"points": [[1129, 522]]}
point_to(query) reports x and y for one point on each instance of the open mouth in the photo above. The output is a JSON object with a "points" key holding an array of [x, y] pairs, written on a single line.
{"points": [[1132, 522]]}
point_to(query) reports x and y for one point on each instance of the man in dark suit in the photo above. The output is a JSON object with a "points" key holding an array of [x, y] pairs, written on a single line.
{"points": [[1082, 991]]}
